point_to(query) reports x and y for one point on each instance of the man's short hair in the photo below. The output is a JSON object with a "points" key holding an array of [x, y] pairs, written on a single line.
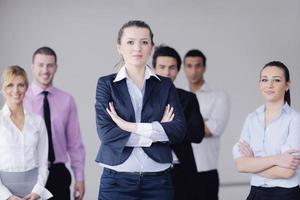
{"points": [[163, 50], [195, 53], [45, 51]]}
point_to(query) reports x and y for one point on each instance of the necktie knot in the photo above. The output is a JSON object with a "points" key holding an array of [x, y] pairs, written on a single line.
{"points": [[45, 93]]}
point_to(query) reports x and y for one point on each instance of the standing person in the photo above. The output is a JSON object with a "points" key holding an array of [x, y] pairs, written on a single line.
{"points": [[166, 62], [270, 140], [23, 143], [138, 115], [215, 109], [59, 111]]}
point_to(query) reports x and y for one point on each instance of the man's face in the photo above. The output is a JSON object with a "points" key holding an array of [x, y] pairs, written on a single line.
{"points": [[166, 66], [194, 69], [43, 69]]}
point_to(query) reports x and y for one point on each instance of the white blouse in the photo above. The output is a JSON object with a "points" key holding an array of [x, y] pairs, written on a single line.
{"points": [[23, 150], [282, 134]]}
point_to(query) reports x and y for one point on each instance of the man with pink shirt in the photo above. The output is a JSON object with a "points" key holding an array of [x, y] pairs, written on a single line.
{"points": [[59, 111]]}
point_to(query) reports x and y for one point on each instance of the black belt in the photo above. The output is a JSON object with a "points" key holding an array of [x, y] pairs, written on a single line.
{"points": [[138, 173], [56, 165]]}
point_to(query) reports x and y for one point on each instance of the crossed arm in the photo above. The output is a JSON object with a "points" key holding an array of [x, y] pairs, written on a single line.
{"points": [[132, 127], [281, 166]]}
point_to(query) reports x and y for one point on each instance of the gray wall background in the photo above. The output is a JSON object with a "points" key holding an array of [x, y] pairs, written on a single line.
{"points": [[237, 36]]}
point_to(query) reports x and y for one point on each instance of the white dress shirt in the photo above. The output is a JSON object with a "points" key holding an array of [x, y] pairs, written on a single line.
{"points": [[23, 150], [146, 134], [282, 134], [215, 109]]}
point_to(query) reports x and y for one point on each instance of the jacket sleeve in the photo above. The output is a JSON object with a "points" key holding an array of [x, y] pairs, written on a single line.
{"points": [[194, 121], [109, 133], [175, 129]]}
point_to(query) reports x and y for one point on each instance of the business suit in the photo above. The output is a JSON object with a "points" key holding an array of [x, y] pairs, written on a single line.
{"points": [[183, 174], [113, 150]]}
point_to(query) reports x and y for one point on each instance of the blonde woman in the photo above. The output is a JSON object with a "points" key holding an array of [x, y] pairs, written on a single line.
{"points": [[23, 143]]}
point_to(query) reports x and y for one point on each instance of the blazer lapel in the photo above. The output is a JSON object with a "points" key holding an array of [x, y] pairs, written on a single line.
{"points": [[122, 90], [150, 85]]}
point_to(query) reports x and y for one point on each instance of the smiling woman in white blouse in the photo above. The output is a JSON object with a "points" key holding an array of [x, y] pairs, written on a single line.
{"points": [[270, 140], [23, 143]]}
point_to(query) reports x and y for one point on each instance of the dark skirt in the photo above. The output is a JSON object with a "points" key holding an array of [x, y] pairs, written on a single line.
{"points": [[274, 193]]}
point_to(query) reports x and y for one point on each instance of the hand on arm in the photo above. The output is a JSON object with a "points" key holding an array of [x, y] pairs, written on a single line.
{"points": [[287, 163], [284, 165], [132, 126], [217, 120], [31, 196], [288, 159], [248, 163], [168, 114], [124, 125], [207, 132], [147, 133], [245, 149]]}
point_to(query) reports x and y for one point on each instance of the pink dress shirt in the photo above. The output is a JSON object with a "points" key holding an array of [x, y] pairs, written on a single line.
{"points": [[66, 136]]}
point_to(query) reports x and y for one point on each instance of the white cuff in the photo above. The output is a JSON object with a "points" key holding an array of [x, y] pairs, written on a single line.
{"points": [[144, 129], [136, 140], [5, 194], [42, 192]]}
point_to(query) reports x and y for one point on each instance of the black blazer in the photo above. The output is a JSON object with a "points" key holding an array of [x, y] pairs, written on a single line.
{"points": [[195, 130], [158, 93]]}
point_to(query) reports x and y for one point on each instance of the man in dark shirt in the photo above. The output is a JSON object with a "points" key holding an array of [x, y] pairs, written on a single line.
{"points": [[166, 62]]}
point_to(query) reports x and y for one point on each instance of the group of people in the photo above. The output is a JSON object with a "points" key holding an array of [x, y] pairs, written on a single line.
{"points": [[158, 142], [40, 132]]}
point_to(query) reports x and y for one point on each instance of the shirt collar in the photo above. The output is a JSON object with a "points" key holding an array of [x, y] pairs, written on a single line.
{"points": [[123, 74], [204, 88], [6, 111], [37, 90], [286, 109]]}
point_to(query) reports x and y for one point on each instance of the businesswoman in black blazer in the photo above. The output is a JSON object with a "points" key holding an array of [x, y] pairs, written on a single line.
{"points": [[138, 116]]}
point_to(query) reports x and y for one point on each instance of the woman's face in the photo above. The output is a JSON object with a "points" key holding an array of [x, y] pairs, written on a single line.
{"points": [[135, 46], [273, 84], [15, 90]]}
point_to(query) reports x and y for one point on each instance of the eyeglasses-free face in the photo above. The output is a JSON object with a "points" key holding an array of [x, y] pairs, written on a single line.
{"points": [[272, 84], [135, 46], [15, 90]]}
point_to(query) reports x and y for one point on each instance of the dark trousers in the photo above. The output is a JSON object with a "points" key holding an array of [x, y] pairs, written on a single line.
{"points": [[208, 185], [274, 193], [184, 183], [133, 186], [59, 181]]}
